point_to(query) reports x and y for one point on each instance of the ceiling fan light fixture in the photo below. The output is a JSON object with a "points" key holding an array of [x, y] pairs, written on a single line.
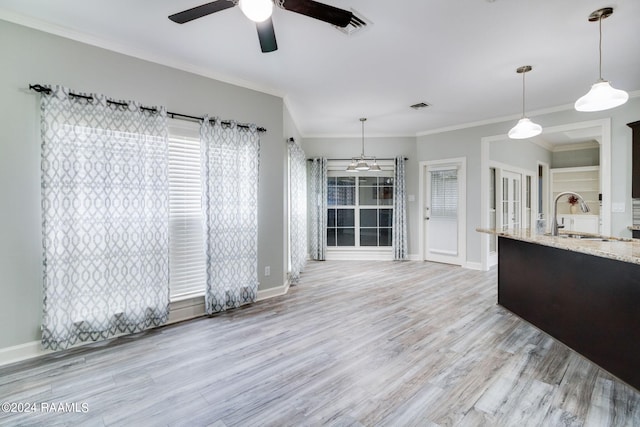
{"points": [[525, 128], [256, 10], [602, 96]]}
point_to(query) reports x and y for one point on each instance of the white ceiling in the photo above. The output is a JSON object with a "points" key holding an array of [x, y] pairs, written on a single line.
{"points": [[460, 56]]}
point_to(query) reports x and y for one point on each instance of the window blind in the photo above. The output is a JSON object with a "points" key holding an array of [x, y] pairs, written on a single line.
{"points": [[444, 193], [187, 273]]}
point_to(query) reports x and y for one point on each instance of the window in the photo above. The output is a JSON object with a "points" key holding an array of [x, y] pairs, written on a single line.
{"points": [[187, 275], [360, 211]]}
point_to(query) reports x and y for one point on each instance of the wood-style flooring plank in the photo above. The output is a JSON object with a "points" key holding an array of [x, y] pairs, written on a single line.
{"points": [[355, 343]]}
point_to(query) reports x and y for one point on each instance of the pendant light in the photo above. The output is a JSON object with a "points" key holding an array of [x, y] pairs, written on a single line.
{"points": [[601, 96], [360, 164], [256, 10], [525, 128]]}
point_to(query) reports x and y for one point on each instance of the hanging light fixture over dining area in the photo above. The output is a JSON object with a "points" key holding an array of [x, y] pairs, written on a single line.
{"points": [[360, 164]]}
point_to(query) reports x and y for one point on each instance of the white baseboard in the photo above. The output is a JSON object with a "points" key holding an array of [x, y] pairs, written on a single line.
{"points": [[473, 265], [273, 292], [179, 312], [21, 352]]}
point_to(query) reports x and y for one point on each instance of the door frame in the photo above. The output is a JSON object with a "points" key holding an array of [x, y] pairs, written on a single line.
{"points": [[461, 164], [605, 175]]}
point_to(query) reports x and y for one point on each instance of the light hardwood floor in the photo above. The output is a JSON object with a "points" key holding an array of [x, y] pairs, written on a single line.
{"points": [[354, 344]]}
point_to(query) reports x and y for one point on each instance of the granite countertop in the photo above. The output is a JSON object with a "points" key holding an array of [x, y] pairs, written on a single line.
{"points": [[634, 227], [626, 250]]}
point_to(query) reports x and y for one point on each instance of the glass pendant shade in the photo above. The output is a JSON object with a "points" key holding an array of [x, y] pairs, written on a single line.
{"points": [[362, 166], [525, 128], [256, 10], [374, 167], [601, 97]]}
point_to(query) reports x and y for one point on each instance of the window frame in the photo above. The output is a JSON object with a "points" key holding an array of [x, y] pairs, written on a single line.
{"points": [[337, 169], [190, 131]]}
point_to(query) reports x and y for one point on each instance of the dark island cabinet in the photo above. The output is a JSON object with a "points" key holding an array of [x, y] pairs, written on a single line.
{"points": [[590, 303]]}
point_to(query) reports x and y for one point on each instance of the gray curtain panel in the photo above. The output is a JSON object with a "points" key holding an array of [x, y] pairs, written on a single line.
{"points": [[399, 235], [231, 159], [318, 208], [105, 212], [297, 209]]}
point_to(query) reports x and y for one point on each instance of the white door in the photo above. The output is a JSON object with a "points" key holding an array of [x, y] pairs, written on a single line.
{"points": [[511, 200], [443, 221]]}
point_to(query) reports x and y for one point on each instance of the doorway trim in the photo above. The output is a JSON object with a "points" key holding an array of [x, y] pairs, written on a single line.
{"points": [[605, 175], [461, 163]]}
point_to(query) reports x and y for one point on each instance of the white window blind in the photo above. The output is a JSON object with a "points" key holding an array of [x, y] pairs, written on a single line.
{"points": [[186, 234], [444, 193]]}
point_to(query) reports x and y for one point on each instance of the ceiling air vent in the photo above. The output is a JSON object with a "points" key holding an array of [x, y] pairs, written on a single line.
{"points": [[420, 105], [357, 24]]}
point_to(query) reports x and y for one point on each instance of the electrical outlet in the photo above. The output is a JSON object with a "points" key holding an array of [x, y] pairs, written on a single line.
{"points": [[267, 270]]}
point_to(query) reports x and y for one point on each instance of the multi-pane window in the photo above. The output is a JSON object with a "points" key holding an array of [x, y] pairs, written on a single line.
{"points": [[341, 201], [360, 211]]}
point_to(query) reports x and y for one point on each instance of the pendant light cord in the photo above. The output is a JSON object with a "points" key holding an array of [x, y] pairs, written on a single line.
{"points": [[362, 152], [523, 94], [600, 48]]}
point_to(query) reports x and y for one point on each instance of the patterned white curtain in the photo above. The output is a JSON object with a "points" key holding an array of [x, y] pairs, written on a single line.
{"points": [[297, 209], [230, 162], [105, 208], [399, 235], [318, 208]]}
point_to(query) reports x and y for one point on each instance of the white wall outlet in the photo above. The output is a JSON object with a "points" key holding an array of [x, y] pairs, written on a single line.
{"points": [[267, 270], [411, 197]]}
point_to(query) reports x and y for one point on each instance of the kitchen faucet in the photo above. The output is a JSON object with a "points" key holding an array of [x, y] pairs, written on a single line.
{"points": [[583, 207]]}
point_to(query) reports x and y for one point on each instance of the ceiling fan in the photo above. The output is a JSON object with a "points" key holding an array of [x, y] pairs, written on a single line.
{"points": [[260, 12]]}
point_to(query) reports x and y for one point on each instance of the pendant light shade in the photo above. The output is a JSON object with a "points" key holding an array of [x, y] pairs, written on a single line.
{"points": [[525, 128], [360, 164], [602, 95], [256, 10]]}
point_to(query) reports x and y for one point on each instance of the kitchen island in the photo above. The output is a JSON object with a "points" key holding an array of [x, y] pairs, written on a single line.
{"points": [[585, 292]]}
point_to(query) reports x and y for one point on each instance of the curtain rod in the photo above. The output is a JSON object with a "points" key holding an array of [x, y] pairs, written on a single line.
{"points": [[348, 160], [41, 88]]}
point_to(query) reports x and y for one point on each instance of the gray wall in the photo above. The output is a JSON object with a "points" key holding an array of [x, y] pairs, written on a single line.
{"points": [[388, 147], [466, 142], [522, 154], [30, 56], [575, 158]]}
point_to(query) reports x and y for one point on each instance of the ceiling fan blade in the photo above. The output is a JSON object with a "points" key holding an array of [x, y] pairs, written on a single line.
{"points": [[267, 36], [321, 11], [200, 11]]}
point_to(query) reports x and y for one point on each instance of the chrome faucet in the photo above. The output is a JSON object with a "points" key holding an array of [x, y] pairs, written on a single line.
{"points": [[583, 207]]}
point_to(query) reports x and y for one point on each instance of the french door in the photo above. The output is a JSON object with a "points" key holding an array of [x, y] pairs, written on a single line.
{"points": [[511, 200]]}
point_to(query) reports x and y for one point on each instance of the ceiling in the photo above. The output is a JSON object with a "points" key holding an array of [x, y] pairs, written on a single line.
{"points": [[458, 56]]}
